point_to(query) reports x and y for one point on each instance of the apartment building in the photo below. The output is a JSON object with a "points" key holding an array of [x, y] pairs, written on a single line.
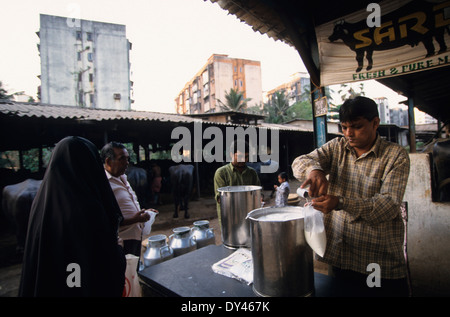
{"points": [[214, 79], [383, 110], [84, 63], [294, 88]]}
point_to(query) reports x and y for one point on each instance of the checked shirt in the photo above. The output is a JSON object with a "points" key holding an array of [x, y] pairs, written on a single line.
{"points": [[369, 228]]}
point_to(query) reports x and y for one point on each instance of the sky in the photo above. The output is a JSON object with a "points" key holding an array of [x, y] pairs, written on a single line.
{"points": [[172, 40]]}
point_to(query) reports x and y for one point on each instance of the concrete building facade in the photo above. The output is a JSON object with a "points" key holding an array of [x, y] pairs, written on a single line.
{"points": [[215, 79], [294, 88], [383, 109], [84, 63]]}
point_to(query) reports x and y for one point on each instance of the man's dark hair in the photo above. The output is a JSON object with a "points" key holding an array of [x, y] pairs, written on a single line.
{"points": [[357, 107], [108, 150], [234, 146]]}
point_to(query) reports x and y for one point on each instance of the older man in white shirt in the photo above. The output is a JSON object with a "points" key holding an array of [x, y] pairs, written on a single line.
{"points": [[115, 159]]}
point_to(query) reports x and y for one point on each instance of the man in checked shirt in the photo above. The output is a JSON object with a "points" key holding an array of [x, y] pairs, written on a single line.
{"points": [[360, 200]]}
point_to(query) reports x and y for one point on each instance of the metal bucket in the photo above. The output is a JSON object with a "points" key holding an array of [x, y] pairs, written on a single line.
{"points": [[235, 203], [282, 259]]}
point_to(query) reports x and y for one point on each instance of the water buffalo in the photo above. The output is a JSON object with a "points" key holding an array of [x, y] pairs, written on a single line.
{"points": [[16, 204], [140, 181], [181, 179], [416, 22]]}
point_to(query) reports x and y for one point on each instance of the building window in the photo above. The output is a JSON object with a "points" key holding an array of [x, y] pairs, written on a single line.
{"points": [[89, 36], [78, 35], [240, 69], [235, 69], [90, 57], [240, 82], [91, 78], [235, 82], [91, 99], [116, 96], [79, 56]]}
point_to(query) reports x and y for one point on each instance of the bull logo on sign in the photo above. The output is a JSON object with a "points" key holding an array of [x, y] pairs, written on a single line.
{"points": [[416, 22]]}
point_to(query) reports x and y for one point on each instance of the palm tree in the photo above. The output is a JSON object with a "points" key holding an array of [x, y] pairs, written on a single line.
{"points": [[277, 109], [234, 101], [7, 96], [350, 93]]}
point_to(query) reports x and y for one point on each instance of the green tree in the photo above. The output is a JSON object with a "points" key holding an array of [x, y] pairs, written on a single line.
{"points": [[347, 91], [300, 110], [277, 108], [7, 96], [234, 101]]}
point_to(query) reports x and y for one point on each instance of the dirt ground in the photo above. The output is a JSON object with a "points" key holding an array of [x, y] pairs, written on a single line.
{"points": [[200, 209]]}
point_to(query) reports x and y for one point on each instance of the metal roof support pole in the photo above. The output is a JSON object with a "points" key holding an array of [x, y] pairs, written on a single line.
{"points": [[198, 180], [412, 125], [21, 159], [319, 122], [40, 159]]}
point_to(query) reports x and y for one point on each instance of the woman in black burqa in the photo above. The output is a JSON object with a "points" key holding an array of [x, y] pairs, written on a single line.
{"points": [[74, 219]]}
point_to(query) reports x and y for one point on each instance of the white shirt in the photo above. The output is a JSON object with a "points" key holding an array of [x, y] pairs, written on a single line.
{"points": [[281, 198], [128, 203]]}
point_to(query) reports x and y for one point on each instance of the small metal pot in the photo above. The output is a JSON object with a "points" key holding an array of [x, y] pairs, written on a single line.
{"points": [[204, 235], [157, 250], [181, 241]]}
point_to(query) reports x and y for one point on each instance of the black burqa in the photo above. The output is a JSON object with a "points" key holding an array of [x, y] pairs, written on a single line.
{"points": [[74, 219]]}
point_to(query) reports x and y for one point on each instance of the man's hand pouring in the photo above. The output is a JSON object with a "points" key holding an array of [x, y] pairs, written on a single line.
{"points": [[318, 189]]}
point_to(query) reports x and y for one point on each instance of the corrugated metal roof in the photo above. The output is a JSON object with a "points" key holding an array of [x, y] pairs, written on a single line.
{"points": [[38, 110], [11, 108], [259, 16]]}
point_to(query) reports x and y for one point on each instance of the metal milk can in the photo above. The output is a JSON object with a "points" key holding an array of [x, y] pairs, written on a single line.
{"points": [[181, 241], [204, 235], [282, 259], [235, 203], [157, 250]]}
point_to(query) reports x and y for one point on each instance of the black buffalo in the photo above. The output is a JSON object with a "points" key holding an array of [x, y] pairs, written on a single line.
{"points": [[181, 180], [16, 204], [140, 181], [416, 22]]}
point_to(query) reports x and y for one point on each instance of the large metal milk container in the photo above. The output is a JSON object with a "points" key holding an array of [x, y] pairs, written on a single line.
{"points": [[235, 203], [282, 259]]}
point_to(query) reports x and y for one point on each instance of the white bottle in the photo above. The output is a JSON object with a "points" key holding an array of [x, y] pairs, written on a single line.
{"points": [[302, 192]]}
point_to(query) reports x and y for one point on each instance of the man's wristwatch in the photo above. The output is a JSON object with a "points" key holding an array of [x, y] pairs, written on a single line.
{"points": [[340, 204]]}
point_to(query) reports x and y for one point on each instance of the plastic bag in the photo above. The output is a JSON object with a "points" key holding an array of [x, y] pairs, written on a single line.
{"points": [[315, 230], [132, 287], [148, 225]]}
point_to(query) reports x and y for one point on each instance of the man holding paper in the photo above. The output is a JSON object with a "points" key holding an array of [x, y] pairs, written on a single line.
{"points": [[115, 158], [360, 200]]}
